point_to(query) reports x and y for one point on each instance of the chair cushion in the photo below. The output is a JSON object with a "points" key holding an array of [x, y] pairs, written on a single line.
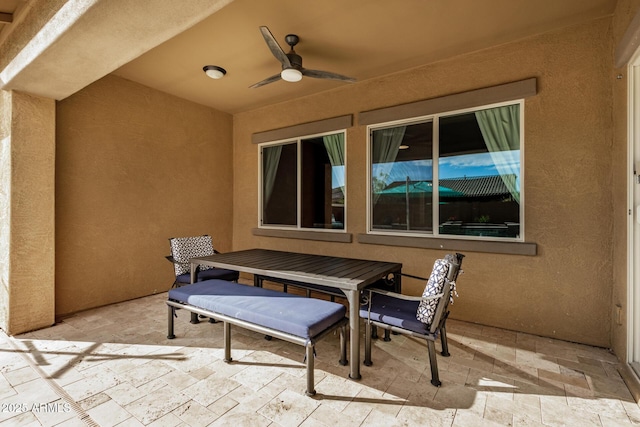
{"points": [[394, 311], [293, 314], [427, 309], [212, 273], [217, 273], [185, 248]]}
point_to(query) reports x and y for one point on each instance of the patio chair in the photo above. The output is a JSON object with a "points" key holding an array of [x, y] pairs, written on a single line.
{"points": [[421, 317], [185, 248]]}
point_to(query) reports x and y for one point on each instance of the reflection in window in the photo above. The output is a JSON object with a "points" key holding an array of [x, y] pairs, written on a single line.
{"points": [[401, 177], [480, 163], [477, 177], [303, 183]]}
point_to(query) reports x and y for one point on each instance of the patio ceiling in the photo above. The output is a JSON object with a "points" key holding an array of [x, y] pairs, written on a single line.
{"points": [[364, 39]]}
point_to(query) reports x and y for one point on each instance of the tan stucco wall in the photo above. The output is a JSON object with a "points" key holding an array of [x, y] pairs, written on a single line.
{"points": [[134, 167], [27, 203], [5, 205], [564, 291]]}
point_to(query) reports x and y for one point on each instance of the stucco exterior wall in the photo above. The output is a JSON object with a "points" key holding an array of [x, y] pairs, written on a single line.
{"points": [[134, 167], [32, 250], [563, 292], [27, 162], [5, 205]]}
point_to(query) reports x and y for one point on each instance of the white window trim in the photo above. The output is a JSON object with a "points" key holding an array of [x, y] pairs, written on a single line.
{"points": [[435, 118], [298, 141]]}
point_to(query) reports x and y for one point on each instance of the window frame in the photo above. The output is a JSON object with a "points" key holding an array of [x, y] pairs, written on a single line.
{"points": [[298, 140], [435, 119]]}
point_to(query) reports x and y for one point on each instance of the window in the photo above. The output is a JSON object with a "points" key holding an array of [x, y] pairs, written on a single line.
{"points": [[472, 158], [303, 183]]}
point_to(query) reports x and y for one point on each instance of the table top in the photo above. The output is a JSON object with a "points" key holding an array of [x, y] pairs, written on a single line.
{"points": [[338, 272]]}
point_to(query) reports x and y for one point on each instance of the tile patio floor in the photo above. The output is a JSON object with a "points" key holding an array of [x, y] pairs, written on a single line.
{"points": [[114, 366]]}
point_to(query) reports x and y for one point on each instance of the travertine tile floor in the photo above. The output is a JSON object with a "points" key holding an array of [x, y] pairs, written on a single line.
{"points": [[114, 366]]}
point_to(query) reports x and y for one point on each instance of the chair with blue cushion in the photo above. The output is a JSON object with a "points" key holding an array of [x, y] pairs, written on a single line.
{"points": [[185, 248], [422, 317]]}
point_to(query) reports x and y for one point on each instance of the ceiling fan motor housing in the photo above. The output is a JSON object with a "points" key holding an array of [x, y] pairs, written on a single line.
{"points": [[295, 59]]}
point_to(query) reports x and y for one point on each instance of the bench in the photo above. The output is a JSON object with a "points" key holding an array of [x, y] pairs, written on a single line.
{"points": [[292, 318]]}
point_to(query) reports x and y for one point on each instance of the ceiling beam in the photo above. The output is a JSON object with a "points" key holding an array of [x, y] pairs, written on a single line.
{"points": [[6, 18]]}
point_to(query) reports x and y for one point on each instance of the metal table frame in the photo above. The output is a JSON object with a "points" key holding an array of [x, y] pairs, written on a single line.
{"points": [[348, 274]]}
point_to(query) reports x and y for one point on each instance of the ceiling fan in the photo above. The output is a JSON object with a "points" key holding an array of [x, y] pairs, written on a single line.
{"points": [[292, 70]]}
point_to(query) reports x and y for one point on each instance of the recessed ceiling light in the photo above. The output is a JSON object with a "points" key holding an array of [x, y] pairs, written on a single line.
{"points": [[214, 71], [403, 147]]}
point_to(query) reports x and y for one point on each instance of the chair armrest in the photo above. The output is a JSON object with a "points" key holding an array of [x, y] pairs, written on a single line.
{"points": [[404, 297], [172, 260], [414, 277]]}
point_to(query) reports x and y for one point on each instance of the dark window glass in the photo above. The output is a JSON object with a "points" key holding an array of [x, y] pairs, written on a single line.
{"points": [[279, 184]]}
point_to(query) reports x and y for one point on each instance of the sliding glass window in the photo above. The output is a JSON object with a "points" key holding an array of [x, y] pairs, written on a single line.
{"points": [[472, 158], [302, 183]]}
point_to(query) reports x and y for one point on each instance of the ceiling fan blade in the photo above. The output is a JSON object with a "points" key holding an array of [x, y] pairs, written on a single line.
{"points": [[266, 81], [275, 47], [317, 74]]}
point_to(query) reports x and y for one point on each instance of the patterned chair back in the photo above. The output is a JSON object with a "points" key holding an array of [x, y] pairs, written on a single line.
{"points": [[185, 248], [435, 284], [444, 274]]}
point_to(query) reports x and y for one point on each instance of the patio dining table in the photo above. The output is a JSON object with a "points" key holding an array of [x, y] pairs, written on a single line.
{"points": [[347, 274]]}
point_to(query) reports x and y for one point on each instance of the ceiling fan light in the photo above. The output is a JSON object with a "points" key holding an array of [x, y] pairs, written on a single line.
{"points": [[214, 71], [291, 75]]}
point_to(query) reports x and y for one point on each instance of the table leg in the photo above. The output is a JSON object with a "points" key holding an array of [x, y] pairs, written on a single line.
{"points": [[354, 333], [194, 316], [193, 272]]}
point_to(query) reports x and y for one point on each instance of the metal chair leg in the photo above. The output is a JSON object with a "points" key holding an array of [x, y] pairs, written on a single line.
{"points": [[374, 332], [443, 340], [194, 318], [435, 378], [172, 313]]}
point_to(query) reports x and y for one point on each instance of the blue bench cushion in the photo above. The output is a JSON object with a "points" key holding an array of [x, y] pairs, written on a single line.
{"points": [[292, 314], [212, 273], [394, 311]]}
